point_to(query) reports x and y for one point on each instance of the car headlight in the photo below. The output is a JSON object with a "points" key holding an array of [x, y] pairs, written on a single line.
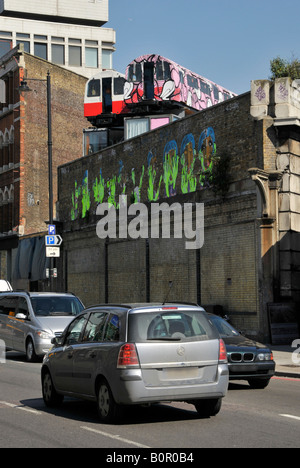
{"points": [[43, 335], [265, 356]]}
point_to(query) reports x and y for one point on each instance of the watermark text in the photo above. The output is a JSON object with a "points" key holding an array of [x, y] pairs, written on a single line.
{"points": [[154, 221]]}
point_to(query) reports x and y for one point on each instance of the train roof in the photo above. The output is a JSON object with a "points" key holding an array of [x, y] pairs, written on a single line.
{"points": [[107, 74]]}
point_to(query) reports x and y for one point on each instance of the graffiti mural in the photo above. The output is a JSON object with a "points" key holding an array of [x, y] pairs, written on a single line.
{"points": [[175, 172]]}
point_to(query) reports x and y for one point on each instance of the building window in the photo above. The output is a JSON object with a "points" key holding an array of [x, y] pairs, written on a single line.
{"points": [[23, 38], [40, 50], [58, 54], [26, 45], [75, 59], [75, 53], [5, 46], [106, 58], [91, 53], [91, 57]]}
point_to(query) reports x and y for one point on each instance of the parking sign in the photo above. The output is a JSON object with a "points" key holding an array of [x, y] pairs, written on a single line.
{"points": [[51, 230]]}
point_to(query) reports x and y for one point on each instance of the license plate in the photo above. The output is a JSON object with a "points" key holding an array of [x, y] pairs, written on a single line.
{"points": [[182, 373]]}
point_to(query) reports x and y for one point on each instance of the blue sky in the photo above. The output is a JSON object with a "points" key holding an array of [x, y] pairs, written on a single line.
{"points": [[230, 42]]}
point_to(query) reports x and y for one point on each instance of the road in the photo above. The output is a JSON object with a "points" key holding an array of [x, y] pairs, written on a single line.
{"points": [[249, 418]]}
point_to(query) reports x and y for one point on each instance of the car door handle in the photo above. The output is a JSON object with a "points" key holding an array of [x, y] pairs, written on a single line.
{"points": [[69, 352], [93, 354]]}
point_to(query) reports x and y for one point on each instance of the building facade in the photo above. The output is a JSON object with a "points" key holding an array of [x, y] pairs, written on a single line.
{"points": [[69, 33], [241, 160], [24, 187]]}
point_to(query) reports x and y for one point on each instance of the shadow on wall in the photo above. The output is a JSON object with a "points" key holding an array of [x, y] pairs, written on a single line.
{"points": [[281, 288]]}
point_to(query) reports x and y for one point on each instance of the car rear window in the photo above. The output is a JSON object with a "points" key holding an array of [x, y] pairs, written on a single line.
{"points": [[188, 325]]}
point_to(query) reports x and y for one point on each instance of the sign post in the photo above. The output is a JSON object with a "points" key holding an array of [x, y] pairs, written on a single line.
{"points": [[52, 242]]}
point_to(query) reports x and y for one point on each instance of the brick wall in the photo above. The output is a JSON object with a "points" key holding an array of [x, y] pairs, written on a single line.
{"points": [[67, 91], [226, 270]]}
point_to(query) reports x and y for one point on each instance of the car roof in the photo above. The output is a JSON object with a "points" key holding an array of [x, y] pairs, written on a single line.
{"points": [[147, 306], [35, 294]]}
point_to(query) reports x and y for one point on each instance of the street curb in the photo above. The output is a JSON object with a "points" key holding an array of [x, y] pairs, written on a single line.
{"points": [[287, 374]]}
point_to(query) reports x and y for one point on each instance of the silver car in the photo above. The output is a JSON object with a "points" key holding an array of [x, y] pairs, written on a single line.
{"points": [[139, 354], [29, 321]]}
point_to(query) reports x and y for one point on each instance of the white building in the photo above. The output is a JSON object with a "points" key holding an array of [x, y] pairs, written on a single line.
{"points": [[69, 33]]}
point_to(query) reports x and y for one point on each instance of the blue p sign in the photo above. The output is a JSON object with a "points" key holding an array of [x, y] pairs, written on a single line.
{"points": [[51, 230]]}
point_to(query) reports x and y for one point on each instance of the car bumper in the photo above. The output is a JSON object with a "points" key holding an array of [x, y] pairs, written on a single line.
{"points": [[131, 389], [245, 371], [42, 346]]}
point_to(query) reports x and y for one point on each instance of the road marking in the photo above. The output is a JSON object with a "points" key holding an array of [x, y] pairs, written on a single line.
{"points": [[115, 437], [290, 416], [21, 407]]}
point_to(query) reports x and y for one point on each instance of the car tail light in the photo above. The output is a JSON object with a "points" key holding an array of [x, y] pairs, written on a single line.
{"points": [[128, 356], [222, 352]]}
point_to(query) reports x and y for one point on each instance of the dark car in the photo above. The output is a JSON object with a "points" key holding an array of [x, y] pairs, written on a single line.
{"points": [[247, 359]]}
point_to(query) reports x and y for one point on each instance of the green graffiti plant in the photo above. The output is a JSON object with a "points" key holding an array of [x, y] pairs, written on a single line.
{"points": [[170, 168], [152, 173], [111, 185], [188, 180], [75, 196], [135, 195], [98, 189], [86, 200]]}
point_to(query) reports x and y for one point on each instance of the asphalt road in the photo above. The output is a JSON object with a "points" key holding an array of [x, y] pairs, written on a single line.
{"points": [[249, 418]]}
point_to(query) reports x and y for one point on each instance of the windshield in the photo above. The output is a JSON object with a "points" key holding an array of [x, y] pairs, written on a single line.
{"points": [[189, 325], [45, 306], [223, 327]]}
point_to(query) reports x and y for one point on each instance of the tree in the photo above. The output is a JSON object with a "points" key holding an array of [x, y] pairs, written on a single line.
{"points": [[281, 68]]}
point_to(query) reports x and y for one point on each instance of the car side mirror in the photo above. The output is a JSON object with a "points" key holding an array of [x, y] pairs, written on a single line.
{"points": [[56, 341], [21, 316]]}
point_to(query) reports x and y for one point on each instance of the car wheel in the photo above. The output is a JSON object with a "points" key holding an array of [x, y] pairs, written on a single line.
{"points": [[207, 408], [30, 351], [50, 395], [108, 410], [259, 383]]}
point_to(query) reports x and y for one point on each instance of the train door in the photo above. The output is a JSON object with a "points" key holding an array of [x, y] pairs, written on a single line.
{"points": [[107, 95], [149, 80]]}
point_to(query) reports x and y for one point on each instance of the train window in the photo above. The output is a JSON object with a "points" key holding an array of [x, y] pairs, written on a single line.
{"points": [[216, 92], [163, 71], [181, 76], [192, 82], [119, 85], [135, 72], [204, 87], [93, 88], [226, 96]]}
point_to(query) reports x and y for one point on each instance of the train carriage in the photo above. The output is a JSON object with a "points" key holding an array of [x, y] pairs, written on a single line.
{"points": [[151, 84], [104, 98], [153, 78]]}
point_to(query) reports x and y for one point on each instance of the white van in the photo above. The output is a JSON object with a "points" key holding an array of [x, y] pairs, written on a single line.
{"points": [[5, 286], [29, 320]]}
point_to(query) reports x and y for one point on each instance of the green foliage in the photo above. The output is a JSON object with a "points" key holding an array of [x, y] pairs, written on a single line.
{"points": [[281, 68]]}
